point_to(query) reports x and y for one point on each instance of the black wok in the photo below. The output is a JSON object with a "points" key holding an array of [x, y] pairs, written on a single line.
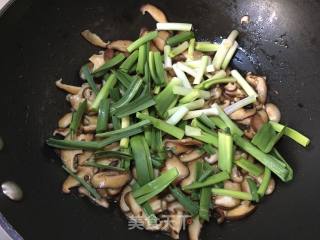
{"points": [[40, 42]]}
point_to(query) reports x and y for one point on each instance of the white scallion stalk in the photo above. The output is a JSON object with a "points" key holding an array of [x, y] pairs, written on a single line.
{"points": [[191, 49], [192, 131], [174, 26], [167, 59], [178, 115], [202, 68], [198, 113], [243, 83], [191, 106], [182, 76], [210, 68], [223, 49], [229, 55], [187, 69], [206, 46], [125, 122], [240, 104], [194, 63]]}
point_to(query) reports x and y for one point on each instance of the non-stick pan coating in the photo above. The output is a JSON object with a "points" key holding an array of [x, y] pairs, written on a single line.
{"points": [[40, 42]]}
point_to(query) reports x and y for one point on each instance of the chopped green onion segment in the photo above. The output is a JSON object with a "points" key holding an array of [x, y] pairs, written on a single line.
{"points": [[174, 26], [231, 193], [225, 153], [142, 40]]}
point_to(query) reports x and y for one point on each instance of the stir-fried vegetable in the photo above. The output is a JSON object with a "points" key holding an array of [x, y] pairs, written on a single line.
{"points": [[166, 125]]}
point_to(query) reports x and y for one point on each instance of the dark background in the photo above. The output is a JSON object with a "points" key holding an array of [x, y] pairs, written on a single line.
{"points": [[40, 42]]}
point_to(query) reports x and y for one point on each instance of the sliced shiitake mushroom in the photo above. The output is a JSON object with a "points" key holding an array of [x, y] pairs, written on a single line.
{"points": [[194, 229], [226, 202], [259, 83], [123, 205], [68, 88], [97, 60], [61, 131], [271, 186], [273, 112], [176, 148], [249, 133], [65, 120], [243, 210], [190, 156], [211, 159], [68, 158], [94, 39], [161, 39], [175, 224], [155, 13], [110, 179], [192, 174], [120, 45], [186, 142], [70, 182], [242, 114], [174, 162], [101, 202], [158, 205], [236, 175]]}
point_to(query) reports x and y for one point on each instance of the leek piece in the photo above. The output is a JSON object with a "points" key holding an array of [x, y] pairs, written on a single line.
{"points": [[251, 168], [212, 180], [181, 75], [127, 64], [243, 83], [225, 153], [185, 201], [179, 38], [229, 55], [178, 115], [142, 40], [232, 193], [253, 189], [179, 49], [207, 46], [202, 68], [191, 49], [192, 131], [170, 26], [191, 106], [265, 182]]}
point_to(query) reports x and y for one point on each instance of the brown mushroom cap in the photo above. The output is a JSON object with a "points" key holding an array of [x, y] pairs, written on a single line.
{"points": [[273, 112], [190, 156], [242, 113], [110, 179], [94, 39], [101, 202], [194, 229], [65, 120], [123, 205], [155, 13], [161, 39], [243, 210], [120, 45], [259, 83], [68, 158], [226, 202], [70, 182], [68, 88], [192, 174], [175, 224], [174, 162]]}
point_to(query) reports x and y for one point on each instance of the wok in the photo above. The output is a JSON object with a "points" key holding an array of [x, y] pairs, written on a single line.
{"points": [[40, 43]]}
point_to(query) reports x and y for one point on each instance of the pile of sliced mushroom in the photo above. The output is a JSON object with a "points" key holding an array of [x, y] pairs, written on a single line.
{"points": [[105, 168]]}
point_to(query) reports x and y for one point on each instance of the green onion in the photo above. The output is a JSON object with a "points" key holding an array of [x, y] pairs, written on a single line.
{"points": [[232, 193], [205, 198], [87, 75], [153, 188], [143, 54], [179, 38], [271, 162], [112, 154], [163, 126], [243, 83], [202, 69], [207, 138], [103, 115], [230, 124], [165, 98], [207, 46], [93, 145], [178, 115], [251, 168], [104, 166], [167, 59], [225, 153], [196, 123], [138, 125], [142, 40], [159, 68], [104, 92], [125, 122], [265, 182], [76, 117], [179, 49], [191, 49], [169, 26], [116, 124], [192, 131], [266, 137], [109, 64], [229, 55], [253, 189], [115, 94], [214, 179], [192, 72], [185, 201], [207, 121], [152, 68], [135, 106], [181, 75], [219, 122], [129, 62], [276, 154], [86, 185], [209, 149], [191, 106], [198, 113], [124, 78], [128, 95], [219, 77], [291, 133], [240, 104], [193, 95], [207, 171], [142, 158], [223, 49]]}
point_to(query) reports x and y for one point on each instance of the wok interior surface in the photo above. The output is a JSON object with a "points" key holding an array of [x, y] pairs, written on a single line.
{"points": [[40, 42]]}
